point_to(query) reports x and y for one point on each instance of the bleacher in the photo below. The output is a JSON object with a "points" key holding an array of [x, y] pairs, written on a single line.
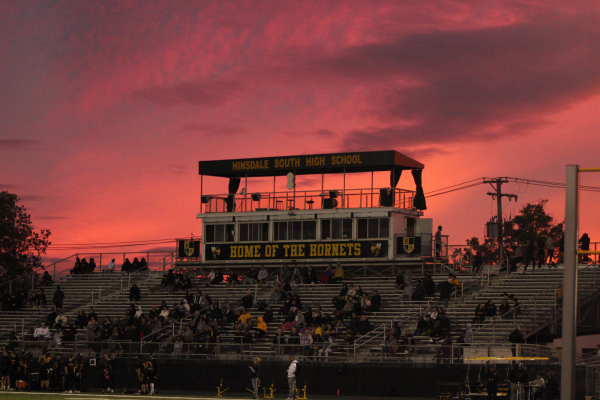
{"points": [[536, 293]]}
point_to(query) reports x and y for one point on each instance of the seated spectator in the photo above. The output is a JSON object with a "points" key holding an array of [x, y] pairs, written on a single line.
{"points": [[391, 346], [446, 289], [186, 283], [343, 290], [77, 267], [293, 342], [490, 309], [364, 325], [479, 313], [60, 321], [429, 285], [228, 316], [419, 291], [408, 289], [143, 265], [312, 275], [81, 320], [453, 280], [177, 347], [251, 277], [261, 327], [268, 315], [351, 290], [245, 319], [110, 267], [399, 280], [36, 332], [538, 386], [306, 341], [327, 276], [327, 349], [46, 279], [504, 307], [126, 267], [91, 266], [218, 278], [552, 389], [303, 275], [135, 265], [263, 275], [445, 350], [232, 279], [92, 314], [339, 274], [84, 266], [247, 301], [51, 318], [424, 326], [134, 293], [437, 331], [40, 299]]}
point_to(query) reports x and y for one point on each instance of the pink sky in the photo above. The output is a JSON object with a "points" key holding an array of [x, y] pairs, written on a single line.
{"points": [[107, 106]]}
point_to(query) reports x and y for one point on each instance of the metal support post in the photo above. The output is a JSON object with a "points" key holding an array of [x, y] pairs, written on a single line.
{"points": [[569, 328]]}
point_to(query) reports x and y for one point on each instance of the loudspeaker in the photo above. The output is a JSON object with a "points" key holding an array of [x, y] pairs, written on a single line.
{"points": [[333, 194], [255, 196], [204, 199], [330, 203]]}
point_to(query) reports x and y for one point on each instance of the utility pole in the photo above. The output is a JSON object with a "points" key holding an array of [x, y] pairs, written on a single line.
{"points": [[498, 196]]}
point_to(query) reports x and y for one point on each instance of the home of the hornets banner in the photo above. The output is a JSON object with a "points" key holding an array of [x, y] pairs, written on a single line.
{"points": [[298, 250], [189, 249], [409, 245]]}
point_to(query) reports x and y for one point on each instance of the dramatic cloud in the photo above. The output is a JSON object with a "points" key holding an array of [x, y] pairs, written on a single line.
{"points": [[127, 97], [191, 93], [475, 85]]}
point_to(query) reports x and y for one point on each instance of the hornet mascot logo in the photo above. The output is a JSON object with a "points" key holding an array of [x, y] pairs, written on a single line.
{"points": [[216, 252], [376, 249]]}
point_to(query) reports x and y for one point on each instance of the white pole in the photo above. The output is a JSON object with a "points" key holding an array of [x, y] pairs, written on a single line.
{"points": [[569, 328]]}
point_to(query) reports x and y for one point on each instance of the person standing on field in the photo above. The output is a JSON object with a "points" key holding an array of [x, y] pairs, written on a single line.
{"points": [[291, 373], [254, 375]]}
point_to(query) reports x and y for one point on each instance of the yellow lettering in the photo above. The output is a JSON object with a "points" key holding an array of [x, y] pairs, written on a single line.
{"points": [[357, 249], [343, 248], [286, 247], [313, 250], [335, 249], [301, 250], [257, 250], [320, 248], [294, 252], [275, 247], [233, 252], [248, 251], [268, 250], [328, 250]]}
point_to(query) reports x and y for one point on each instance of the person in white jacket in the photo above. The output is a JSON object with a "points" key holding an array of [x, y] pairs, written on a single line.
{"points": [[291, 373], [111, 266]]}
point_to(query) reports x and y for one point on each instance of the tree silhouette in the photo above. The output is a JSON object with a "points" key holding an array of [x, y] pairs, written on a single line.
{"points": [[21, 248]]}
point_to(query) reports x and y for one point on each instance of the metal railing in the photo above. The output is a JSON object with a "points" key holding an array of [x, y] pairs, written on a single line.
{"points": [[307, 200]]}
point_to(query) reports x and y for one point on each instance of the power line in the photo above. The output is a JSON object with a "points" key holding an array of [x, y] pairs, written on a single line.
{"points": [[127, 242]]}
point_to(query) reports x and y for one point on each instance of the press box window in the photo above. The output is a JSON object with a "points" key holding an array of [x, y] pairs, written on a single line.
{"points": [[295, 230], [373, 228], [254, 232], [336, 229], [219, 233]]}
